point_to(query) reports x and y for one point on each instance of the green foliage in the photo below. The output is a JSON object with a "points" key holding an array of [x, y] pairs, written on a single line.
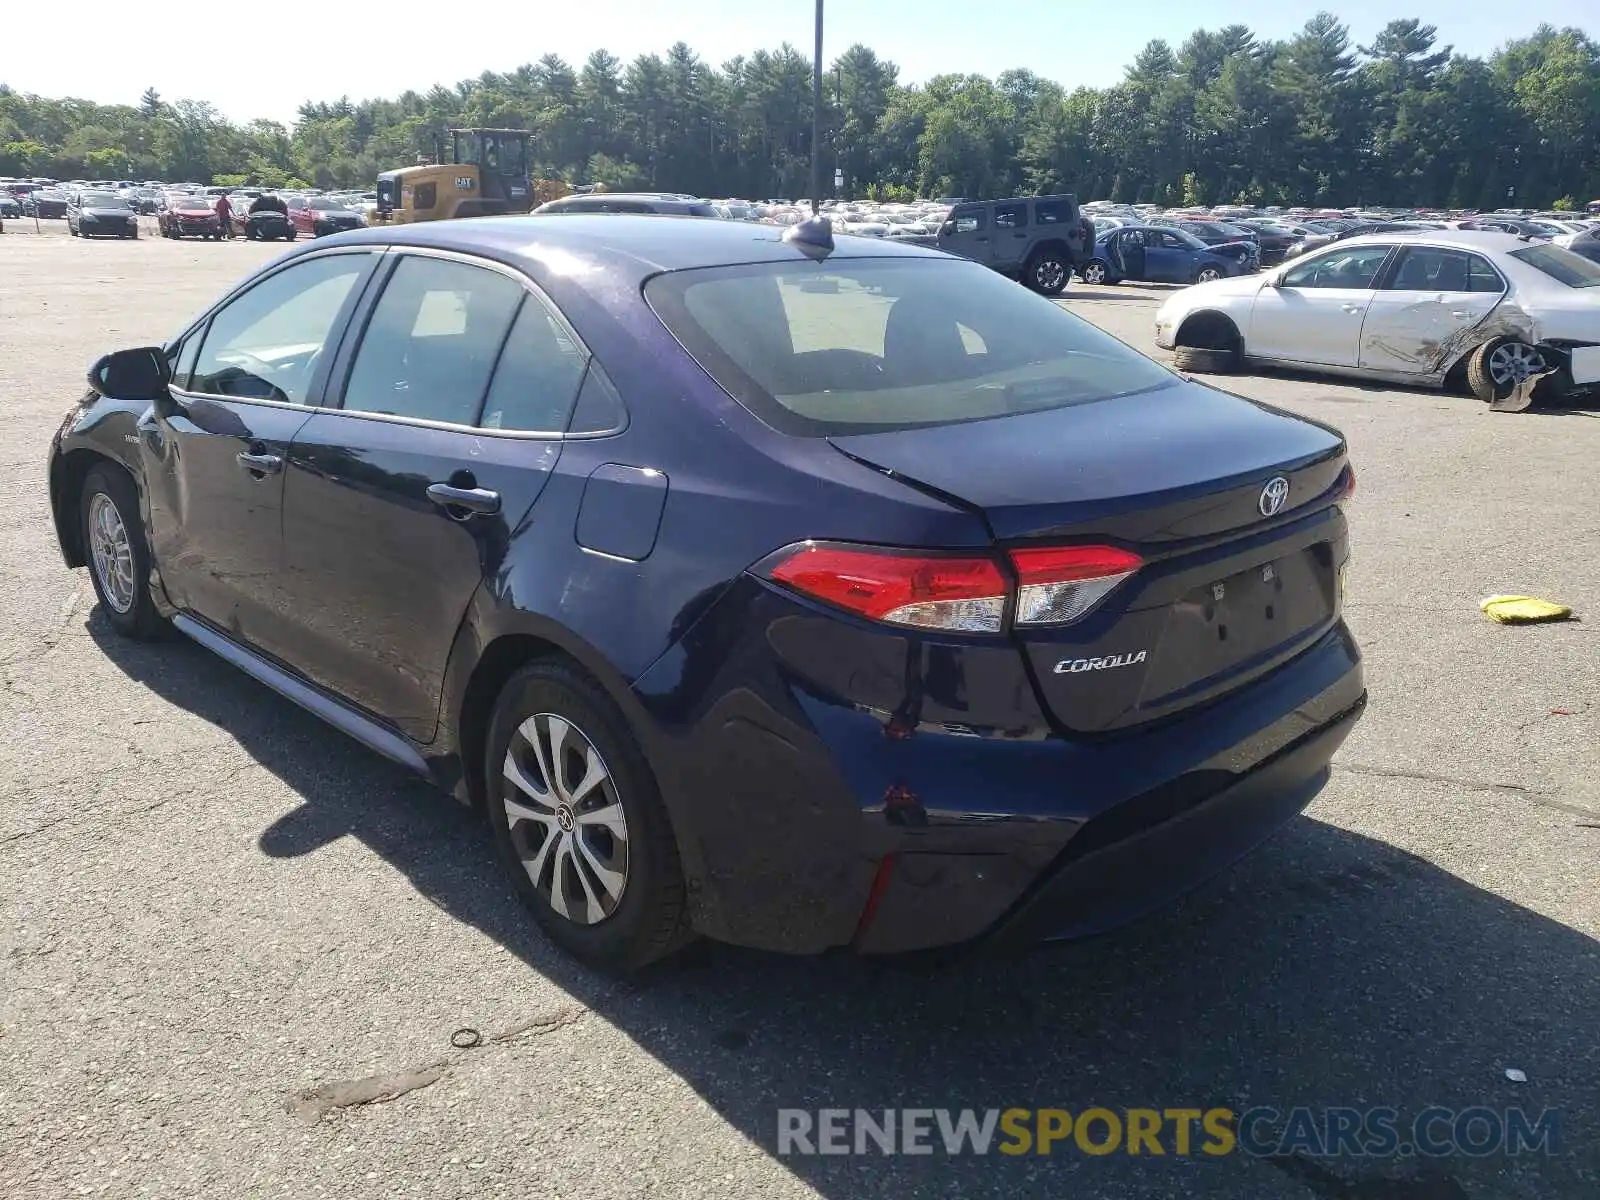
{"points": [[230, 180], [1565, 204], [1225, 116]]}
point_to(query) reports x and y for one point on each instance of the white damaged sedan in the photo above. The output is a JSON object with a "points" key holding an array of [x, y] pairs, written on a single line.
{"points": [[1423, 307]]}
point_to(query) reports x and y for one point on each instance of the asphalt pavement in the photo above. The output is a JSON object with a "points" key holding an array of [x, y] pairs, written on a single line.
{"points": [[236, 945]]}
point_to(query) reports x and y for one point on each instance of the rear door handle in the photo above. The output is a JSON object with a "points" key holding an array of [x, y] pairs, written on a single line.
{"points": [[473, 499], [1352, 308], [1461, 313], [260, 464]]}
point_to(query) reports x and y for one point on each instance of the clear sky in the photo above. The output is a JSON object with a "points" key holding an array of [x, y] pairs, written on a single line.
{"points": [[249, 66]]}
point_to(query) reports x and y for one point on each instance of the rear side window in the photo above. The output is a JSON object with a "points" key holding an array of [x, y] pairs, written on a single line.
{"points": [[1429, 269], [537, 377], [1010, 216], [868, 345], [1481, 277], [1050, 212], [432, 341]]}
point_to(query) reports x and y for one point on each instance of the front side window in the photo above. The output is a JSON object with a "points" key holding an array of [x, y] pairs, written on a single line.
{"points": [[969, 220], [432, 341], [1351, 267], [869, 345], [264, 344]]}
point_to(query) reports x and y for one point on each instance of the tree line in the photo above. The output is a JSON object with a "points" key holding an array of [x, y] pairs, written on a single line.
{"points": [[1226, 117]]}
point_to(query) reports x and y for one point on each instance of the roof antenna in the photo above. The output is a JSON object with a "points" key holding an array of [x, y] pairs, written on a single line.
{"points": [[815, 233]]}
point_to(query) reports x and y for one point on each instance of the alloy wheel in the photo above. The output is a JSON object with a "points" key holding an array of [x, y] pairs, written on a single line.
{"points": [[1094, 273], [1513, 363], [1208, 275], [1049, 275], [566, 819], [111, 551]]}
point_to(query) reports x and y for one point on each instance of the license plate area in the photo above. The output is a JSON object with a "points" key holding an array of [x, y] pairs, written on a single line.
{"points": [[1231, 623]]}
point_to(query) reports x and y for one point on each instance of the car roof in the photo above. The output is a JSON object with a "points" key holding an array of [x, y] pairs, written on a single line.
{"points": [[1458, 239], [633, 247]]}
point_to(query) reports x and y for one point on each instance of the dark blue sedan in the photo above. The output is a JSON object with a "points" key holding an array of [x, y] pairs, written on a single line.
{"points": [[1154, 254], [798, 594]]}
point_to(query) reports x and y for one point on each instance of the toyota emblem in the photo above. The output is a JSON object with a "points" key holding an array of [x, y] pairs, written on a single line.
{"points": [[1274, 495]]}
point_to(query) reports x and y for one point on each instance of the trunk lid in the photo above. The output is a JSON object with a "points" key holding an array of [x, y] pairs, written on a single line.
{"points": [[1178, 475]]}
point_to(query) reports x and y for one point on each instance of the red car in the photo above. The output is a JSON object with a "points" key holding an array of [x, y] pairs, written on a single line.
{"points": [[317, 215], [190, 217]]}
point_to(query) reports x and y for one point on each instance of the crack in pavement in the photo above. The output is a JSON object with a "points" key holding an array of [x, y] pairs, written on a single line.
{"points": [[84, 809], [1534, 796], [310, 1105], [1475, 785]]}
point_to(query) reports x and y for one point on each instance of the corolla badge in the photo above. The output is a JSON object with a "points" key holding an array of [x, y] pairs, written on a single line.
{"points": [[1273, 496], [1074, 666]]}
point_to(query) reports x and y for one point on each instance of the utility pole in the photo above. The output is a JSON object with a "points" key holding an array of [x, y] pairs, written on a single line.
{"points": [[816, 119]]}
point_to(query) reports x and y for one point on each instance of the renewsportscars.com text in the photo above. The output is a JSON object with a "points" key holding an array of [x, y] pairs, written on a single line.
{"points": [[1261, 1132]]}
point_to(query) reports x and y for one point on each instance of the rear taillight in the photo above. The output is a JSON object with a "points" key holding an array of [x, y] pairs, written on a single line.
{"points": [[1058, 584], [901, 587], [964, 594]]}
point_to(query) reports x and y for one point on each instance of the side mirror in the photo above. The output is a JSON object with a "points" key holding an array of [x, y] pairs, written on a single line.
{"points": [[140, 375], [947, 229]]}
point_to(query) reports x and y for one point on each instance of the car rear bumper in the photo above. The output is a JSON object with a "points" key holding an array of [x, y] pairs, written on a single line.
{"points": [[883, 823]]}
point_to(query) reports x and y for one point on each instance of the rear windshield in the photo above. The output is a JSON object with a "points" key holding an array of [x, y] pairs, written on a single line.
{"points": [[870, 345], [1561, 264]]}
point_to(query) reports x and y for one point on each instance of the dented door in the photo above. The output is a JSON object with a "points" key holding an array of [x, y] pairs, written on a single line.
{"points": [[1425, 311]]}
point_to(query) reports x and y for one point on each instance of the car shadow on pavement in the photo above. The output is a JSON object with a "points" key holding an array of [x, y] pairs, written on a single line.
{"points": [[1327, 969]]}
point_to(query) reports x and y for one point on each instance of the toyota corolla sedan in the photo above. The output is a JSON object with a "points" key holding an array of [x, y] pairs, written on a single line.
{"points": [[1419, 307], [801, 593]]}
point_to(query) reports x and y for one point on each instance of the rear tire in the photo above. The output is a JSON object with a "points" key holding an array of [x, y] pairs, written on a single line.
{"points": [[1204, 361], [118, 556], [1495, 368], [1048, 272], [605, 854]]}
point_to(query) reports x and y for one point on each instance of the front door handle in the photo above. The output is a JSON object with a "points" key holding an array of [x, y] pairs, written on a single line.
{"points": [[472, 499], [260, 464], [1352, 308]]}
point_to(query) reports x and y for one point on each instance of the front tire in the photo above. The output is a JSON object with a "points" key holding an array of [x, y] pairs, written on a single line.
{"points": [[119, 559], [1207, 275], [1205, 361], [1048, 273], [1096, 271]]}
